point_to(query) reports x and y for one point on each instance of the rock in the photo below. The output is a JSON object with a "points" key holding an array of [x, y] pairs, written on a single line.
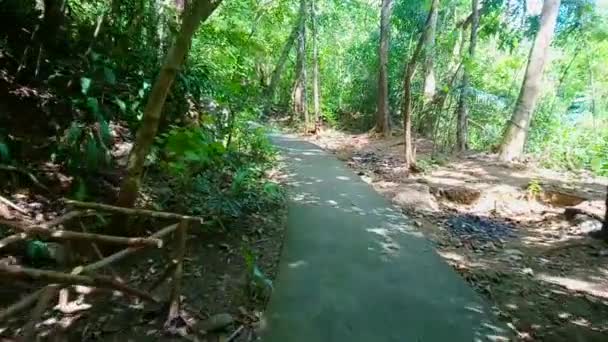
{"points": [[560, 199], [588, 226], [527, 271], [458, 194], [416, 197], [214, 323]]}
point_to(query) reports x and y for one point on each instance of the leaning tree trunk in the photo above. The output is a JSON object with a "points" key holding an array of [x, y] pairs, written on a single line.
{"points": [[516, 132], [462, 124], [382, 114], [199, 11], [300, 103], [410, 153], [429, 85], [315, 62], [278, 70]]}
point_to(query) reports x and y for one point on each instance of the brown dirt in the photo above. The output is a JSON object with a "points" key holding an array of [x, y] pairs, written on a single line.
{"points": [[548, 281]]}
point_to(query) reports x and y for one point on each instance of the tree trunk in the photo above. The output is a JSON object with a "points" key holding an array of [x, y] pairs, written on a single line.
{"points": [[410, 153], [462, 126], [278, 70], [200, 10], [516, 132], [315, 62], [604, 231], [429, 85], [300, 104], [382, 114]]}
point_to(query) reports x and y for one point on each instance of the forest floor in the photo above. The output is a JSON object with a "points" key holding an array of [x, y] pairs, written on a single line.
{"points": [[504, 228], [217, 295]]}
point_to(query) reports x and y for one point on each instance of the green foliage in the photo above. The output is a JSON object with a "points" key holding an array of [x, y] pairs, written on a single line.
{"points": [[534, 189], [259, 286]]}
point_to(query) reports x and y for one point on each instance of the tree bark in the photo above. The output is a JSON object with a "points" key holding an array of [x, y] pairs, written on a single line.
{"points": [[429, 85], [410, 153], [315, 62], [382, 115], [200, 10], [278, 69], [462, 126], [300, 104], [516, 132]]}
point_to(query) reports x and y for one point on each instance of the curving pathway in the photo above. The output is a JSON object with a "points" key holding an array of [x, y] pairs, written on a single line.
{"points": [[354, 269]]}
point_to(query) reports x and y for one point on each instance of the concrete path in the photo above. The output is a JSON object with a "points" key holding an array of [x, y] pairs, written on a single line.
{"points": [[354, 269]]}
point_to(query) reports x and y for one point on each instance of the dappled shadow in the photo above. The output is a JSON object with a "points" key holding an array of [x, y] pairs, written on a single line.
{"points": [[344, 237]]}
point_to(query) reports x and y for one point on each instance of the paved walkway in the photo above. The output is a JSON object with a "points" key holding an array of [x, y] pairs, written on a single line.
{"points": [[354, 269]]}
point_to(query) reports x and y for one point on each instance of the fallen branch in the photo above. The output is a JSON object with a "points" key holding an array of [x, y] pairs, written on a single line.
{"points": [[13, 205], [235, 334], [126, 252], [178, 261], [33, 274], [29, 330], [170, 270], [22, 304], [66, 235], [29, 300], [12, 239], [27, 173], [135, 212]]}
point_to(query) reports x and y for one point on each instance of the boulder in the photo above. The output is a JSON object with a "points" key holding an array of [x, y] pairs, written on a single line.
{"points": [[416, 197]]}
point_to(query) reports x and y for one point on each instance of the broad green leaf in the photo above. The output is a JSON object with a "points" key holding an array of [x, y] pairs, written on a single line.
{"points": [[85, 85], [109, 75], [121, 104]]}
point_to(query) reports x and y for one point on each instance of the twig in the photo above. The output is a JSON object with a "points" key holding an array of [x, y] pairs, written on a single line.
{"points": [[27, 301], [235, 334], [27, 173], [13, 205], [12, 239], [66, 235], [128, 251], [180, 251], [29, 330], [129, 211], [99, 254], [21, 305], [170, 270], [26, 273]]}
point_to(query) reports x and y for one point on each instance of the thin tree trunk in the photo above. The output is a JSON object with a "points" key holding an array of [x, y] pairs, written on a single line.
{"points": [[199, 12], [516, 132], [300, 103], [429, 85], [410, 153], [462, 123], [382, 114], [278, 70], [315, 62]]}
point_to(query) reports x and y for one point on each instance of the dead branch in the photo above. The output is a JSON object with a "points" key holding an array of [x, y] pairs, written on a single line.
{"points": [[12, 239], [21, 305], [180, 251], [135, 212], [170, 270], [13, 205], [29, 330], [26, 173], [27, 301], [235, 334], [66, 217], [126, 252], [66, 235], [33, 274]]}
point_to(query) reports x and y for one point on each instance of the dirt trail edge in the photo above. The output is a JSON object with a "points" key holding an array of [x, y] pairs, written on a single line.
{"points": [[355, 269]]}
